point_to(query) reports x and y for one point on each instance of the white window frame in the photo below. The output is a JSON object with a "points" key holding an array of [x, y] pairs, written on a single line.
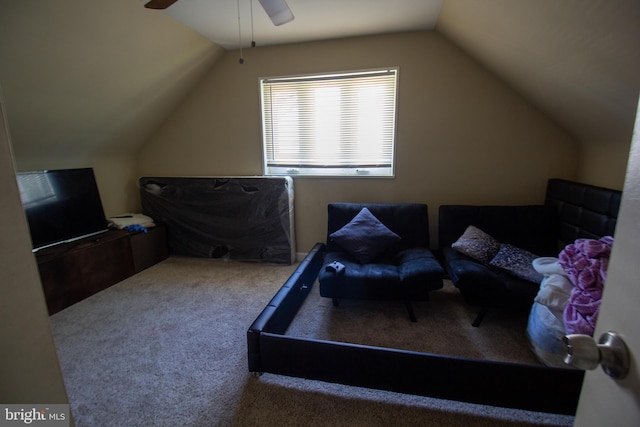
{"points": [[312, 135]]}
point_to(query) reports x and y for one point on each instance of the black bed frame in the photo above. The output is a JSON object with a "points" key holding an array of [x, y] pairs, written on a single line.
{"points": [[583, 210]]}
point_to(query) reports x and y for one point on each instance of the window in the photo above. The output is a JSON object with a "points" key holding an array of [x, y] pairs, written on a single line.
{"points": [[340, 124]]}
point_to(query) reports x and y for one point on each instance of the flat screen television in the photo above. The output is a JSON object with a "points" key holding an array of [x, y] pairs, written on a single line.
{"points": [[61, 205]]}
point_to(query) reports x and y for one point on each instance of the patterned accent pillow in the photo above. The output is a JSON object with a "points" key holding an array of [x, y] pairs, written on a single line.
{"points": [[477, 244], [365, 237], [516, 261]]}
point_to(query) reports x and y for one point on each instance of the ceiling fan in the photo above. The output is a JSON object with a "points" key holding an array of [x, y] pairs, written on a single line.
{"points": [[278, 10]]}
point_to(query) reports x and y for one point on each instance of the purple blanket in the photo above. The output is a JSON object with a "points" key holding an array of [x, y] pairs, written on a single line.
{"points": [[585, 262]]}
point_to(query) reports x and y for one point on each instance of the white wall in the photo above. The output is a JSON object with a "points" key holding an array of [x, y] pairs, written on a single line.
{"points": [[462, 135], [29, 369]]}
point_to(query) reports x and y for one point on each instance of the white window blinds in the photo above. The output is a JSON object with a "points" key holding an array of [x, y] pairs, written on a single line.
{"points": [[330, 124]]}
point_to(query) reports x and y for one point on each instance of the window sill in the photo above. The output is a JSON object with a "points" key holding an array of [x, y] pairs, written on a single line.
{"points": [[385, 172]]}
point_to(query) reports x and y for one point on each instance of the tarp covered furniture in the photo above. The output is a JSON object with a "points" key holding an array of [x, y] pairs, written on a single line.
{"points": [[238, 218]]}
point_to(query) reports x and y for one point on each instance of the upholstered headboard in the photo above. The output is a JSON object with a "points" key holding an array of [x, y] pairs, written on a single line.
{"points": [[584, 211]]}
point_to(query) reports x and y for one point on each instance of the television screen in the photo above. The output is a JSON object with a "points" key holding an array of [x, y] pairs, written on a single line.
{"points": [[61, 205]]}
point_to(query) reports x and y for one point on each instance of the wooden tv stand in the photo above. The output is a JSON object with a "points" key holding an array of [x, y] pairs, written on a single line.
{"points": [[73, 271]]}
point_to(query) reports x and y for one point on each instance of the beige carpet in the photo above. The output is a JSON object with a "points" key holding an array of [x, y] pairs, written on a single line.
{"points": [[443, 326], [167, 347]]}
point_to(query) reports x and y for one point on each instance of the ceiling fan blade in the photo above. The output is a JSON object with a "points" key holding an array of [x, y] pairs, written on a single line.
{"points": [[159, 4], [278, 11]]}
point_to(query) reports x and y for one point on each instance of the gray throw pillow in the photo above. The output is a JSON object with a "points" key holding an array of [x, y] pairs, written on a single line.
{"points": [[365, 237], [477, 244], [516, 261]]}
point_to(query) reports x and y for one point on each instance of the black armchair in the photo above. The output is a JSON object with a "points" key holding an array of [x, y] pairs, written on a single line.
{"points": [[370, 263]]}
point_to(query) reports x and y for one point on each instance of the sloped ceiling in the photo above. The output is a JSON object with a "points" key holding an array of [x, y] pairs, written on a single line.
{"points": [[83, 78], [231, 23], [99, 77], [577, 60]]}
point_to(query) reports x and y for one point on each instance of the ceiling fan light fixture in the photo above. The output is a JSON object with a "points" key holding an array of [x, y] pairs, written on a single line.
{"points": [[159, 4], [278, 11]]}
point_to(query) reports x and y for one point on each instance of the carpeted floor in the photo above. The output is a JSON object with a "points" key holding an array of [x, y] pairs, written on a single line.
{"points": [[167, 347], [443, 327]]}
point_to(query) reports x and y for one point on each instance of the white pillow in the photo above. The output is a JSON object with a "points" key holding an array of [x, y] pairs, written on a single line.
{"points": [[555, 290], [555, 287], [548, 265]]}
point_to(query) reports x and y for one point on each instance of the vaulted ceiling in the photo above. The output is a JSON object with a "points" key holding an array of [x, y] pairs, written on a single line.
{"points": [[232, 22], [100, 77], [578, 61]]}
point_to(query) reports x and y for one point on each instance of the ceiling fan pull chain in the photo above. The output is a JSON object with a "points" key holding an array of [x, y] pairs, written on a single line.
{"points": [[253, 40], [241, 60]]}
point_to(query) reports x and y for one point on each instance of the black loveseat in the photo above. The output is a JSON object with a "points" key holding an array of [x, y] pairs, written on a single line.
{"points": [[571, 211]]}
